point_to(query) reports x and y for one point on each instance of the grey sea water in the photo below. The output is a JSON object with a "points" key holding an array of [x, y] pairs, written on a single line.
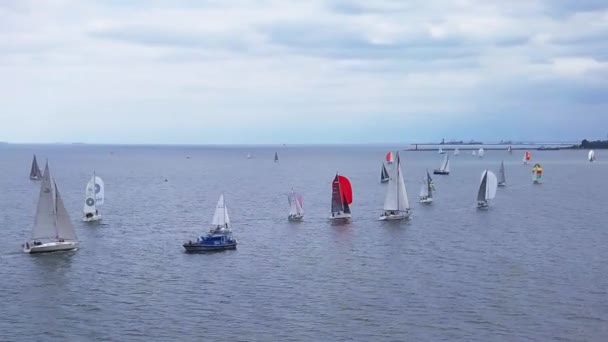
{"points": [[532, 268]]}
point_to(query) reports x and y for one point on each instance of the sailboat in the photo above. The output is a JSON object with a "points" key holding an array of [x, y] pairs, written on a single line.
{"points": [[445, 167], [591, 156], [502, 179], [426, 189], [537, 173], [390, 158], [94, 197], [510, 149], [480, 153], [53, 231], [35, 173], [296, 211], [487, 189], [341, 197], [276, 157], [456, 151], [384, 174], [396, 204], [219, 237], [248, 155], [474, 153], [527, 157], [441, 151]]}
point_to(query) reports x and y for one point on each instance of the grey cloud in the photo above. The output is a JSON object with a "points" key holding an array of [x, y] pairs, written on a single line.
{"points": [[159, 37]]}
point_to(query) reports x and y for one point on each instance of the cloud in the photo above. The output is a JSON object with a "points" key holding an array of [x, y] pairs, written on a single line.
{"points": [[249, 71]]}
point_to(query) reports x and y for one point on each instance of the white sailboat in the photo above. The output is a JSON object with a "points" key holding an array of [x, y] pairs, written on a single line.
{"points": [[396, 204], [481, 153], [426, 189], [474, 153], [487, 189], [502, 179], [248, 155], [445, 167], [591, 156], [510, 149], [441, 151], [94, 197], [53, 231], [341, 198], [35, 173], [296, 211], [456, 151]]}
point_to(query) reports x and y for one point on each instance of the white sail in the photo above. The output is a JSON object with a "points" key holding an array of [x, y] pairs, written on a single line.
{"points": [[445, 166], [295, 205], [440, 150], [396, 194], [65, 228], [299, 209], [44, 223], [100, 191], [456, 151], [220, 217], [52, 221], [481, 153], [424, 188], [591, 155], [491, 185], [474, 153], [501, 173], [90, 205]]}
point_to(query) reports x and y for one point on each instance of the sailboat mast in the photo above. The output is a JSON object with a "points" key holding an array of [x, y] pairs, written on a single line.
{"points": [[398, 175]]}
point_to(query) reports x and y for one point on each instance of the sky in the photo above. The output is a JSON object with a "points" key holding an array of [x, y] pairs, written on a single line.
{"points": [[315, 71]]}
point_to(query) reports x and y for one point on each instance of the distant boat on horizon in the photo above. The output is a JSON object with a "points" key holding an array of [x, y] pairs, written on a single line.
{"points": [[591, 156], [527, 157], [502, 179]]}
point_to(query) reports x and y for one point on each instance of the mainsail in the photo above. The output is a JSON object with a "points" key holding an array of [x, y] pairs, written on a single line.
{"points": [[295, 204], [52, 221], [591, 155], [384, 174], [220, 217], [502, 179], [481, 193], [35, 172], [342, 195], [480, 153], [396, 194], [487, 186], [431, 184], [94, 195], [445, 166]]}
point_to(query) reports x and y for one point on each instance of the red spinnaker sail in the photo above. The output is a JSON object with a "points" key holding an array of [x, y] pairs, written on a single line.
{"points": [[346, 189], [389, 157], [528, 155]]}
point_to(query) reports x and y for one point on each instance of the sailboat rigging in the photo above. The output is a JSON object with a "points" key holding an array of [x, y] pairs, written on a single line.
{"points": [[396, 204]]}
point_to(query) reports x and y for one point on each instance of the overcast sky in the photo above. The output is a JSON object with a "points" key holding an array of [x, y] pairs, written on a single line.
{"points": [[315, 71]]}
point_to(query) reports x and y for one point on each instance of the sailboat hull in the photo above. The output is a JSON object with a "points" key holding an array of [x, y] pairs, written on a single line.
{"points": [[340, 217], [92, 218], [35, 178], [51, 247], [482, 205], [502, 184], [395, 217], [426, 200], [441, 172], [295, 218], [384, 180], [195, 247]]}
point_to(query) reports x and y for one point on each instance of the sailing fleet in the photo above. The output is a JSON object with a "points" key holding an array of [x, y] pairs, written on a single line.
{"points": [[54, 231]]}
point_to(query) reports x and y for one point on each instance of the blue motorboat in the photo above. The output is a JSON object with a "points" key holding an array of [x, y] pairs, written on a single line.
{"points": [[216, 240], [220, 237]]}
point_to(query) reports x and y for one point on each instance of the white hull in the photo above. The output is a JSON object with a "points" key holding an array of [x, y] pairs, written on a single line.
{"points": [[394, 217], [92, 218], [482, 205], [51, 247], [426, 200], [295, 218], [502, 184], [340, 217]]}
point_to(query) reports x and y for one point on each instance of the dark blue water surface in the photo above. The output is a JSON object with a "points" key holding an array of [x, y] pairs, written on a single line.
{"points": [[532, 268]]}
